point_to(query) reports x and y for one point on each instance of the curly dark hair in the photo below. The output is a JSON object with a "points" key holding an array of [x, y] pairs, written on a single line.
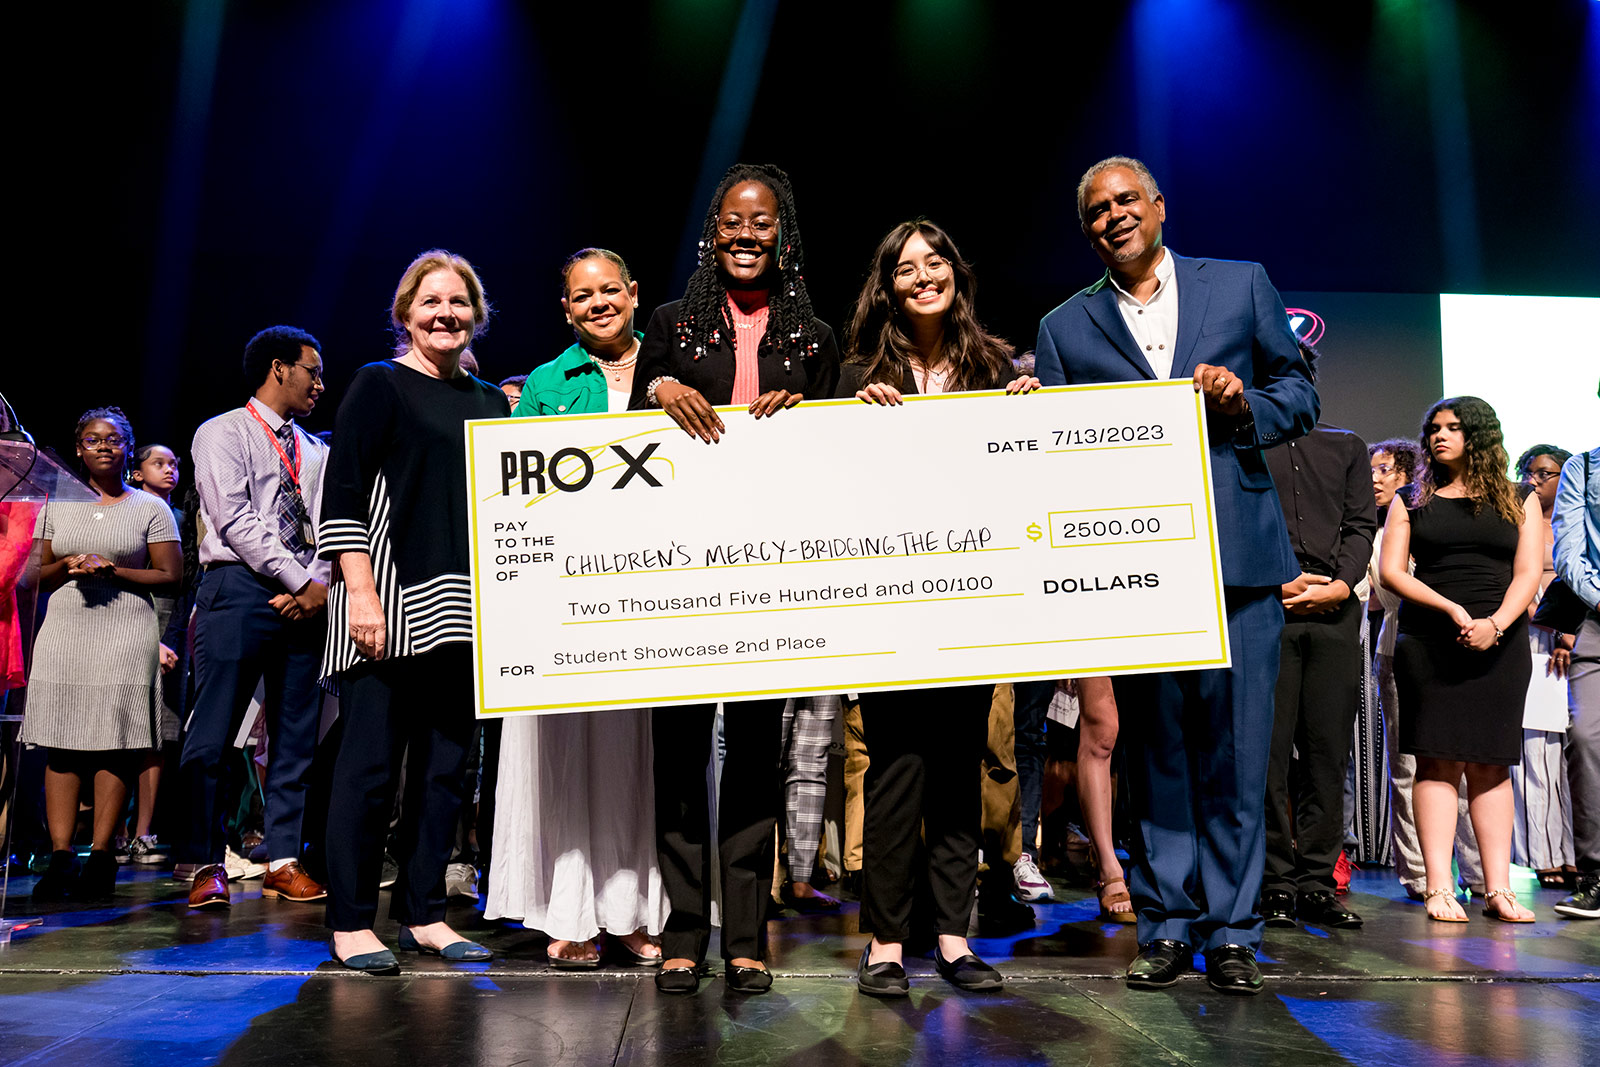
{"points": [[877, 336], [703, 314], [1525, 461], [274, 344], [115, 416], [1405, 452], [1484, 479]]}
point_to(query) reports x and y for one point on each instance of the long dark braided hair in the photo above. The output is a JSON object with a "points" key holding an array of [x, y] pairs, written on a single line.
{"points": [[703, 315]]}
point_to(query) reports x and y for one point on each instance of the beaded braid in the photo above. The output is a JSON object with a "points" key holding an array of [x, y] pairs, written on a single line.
{"points": [[703, 313]]}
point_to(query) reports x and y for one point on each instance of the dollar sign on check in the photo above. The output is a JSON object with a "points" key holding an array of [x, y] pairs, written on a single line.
{"points": [[1034, 533]]}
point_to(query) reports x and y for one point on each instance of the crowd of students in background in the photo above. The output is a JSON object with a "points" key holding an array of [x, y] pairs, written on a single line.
{"points": [[253, 660]]}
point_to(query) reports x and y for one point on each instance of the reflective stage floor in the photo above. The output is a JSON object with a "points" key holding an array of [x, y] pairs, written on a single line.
{"points": [[148, 982]]}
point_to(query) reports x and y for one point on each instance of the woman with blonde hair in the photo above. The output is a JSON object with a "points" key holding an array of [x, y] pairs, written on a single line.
{"points": [[394, 518]]}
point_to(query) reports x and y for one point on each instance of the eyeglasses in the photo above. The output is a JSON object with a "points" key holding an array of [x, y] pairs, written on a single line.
{"points": [[115, 440], [1540, 477], [761, 227], [1383, 470], [933, 265], [314, 371]]}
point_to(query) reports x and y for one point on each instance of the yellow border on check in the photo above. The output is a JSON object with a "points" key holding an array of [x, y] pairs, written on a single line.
{"points": [[471, 427]]}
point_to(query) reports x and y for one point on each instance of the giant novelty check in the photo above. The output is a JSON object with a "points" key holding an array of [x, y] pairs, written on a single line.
{"points": [[841, 547]]}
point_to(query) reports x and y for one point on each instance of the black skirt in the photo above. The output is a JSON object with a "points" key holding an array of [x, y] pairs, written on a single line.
{"points": [[1457, 704]]}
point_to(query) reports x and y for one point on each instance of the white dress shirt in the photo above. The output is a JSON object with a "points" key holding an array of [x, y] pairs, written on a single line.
{"points": [[1154, 323]]}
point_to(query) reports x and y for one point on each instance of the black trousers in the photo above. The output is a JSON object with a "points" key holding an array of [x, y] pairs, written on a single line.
{"points": [[747, 813], [417, 709], [924, 806], [1314, 712]]}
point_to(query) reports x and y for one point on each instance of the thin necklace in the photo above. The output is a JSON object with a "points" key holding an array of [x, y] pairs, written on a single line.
{"points": [[615, 367]]}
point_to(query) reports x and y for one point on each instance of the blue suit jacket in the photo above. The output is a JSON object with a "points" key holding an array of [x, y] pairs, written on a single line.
{"points": [[1229, 315]]}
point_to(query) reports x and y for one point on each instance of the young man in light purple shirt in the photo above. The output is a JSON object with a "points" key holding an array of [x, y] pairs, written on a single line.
{"points": [[259, 614]]}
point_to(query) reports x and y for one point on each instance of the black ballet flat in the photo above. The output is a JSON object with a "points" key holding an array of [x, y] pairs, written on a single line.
{"points": [[886, 979], [968, 972], [381, 962], [748, 979], [680, 980]]}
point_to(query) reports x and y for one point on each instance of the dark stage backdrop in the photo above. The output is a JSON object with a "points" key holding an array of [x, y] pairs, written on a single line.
{"points": [[1381, 362], [195, 171]]}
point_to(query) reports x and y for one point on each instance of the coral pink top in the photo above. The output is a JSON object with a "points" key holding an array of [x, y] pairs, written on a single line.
{"points": [[748, 329]]}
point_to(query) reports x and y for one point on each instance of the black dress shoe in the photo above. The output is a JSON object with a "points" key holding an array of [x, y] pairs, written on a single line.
{"points": [[1321, 907], [886, 979], [678, 980], [1232, 969], [1277, 908], [1159, 964], [967, 972], [748, 979]]}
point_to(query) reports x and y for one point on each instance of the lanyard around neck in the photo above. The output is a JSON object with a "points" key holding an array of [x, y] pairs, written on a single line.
{"points": [[293, 466]]}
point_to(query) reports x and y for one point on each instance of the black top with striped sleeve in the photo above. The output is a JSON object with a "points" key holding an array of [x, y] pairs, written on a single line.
{"points": [[396, 488]]}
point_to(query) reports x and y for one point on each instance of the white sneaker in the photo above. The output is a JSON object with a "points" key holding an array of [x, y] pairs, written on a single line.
{"points": [[461, 880], [146, 850], [239, 868], [1031, 885]]}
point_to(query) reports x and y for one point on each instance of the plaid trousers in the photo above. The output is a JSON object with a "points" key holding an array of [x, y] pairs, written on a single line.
{"points": [[807, 733]]}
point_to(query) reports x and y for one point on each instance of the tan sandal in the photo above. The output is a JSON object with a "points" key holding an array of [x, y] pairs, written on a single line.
{"points": [[1431, 894], [1492, 910], [1108, 898]]}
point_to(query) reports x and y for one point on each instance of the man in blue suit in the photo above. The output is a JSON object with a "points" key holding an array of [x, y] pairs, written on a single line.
{"points": [[1198, 741]]}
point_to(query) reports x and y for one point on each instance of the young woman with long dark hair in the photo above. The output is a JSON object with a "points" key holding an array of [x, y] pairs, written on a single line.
{"points": [[915, 331], [1462, 661]]}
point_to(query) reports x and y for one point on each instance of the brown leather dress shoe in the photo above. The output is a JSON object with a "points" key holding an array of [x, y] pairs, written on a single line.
{"points": [[291, 882], [210, 889]]}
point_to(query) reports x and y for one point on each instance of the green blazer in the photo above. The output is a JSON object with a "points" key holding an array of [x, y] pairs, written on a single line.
{"points": [[570, 384]]}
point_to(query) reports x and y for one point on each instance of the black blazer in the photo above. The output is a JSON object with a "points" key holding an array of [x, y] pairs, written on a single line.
{"points": [[659, 355]]}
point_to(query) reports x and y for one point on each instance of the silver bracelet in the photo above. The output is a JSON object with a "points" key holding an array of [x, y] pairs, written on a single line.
{"points": [[650, 393]]}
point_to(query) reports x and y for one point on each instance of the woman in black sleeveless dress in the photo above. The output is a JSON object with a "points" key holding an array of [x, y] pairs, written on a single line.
{"points": [[1462, 662]]}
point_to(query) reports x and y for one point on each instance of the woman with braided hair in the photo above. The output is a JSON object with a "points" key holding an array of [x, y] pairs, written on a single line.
{"points": [[742, 334], [94, 695]]}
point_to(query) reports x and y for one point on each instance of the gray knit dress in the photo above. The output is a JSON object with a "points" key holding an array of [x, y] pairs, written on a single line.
{"points": [[95, 683]]}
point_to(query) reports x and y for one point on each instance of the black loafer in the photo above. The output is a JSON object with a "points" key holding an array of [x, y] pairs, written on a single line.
{"points": [[968, 972], [678, 979], [1159, 964], [886, 979], [1232, 969], [748, 979], [1321, 907], [1277, 908]]}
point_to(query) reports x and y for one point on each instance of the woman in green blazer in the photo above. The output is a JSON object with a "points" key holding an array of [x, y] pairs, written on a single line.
{"points": [[574, 832]]}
